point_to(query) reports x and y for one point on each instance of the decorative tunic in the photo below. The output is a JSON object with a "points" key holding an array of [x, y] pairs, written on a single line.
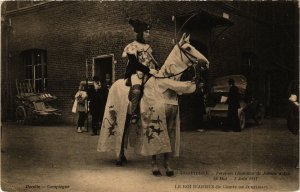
{"points": [[140, 58]]}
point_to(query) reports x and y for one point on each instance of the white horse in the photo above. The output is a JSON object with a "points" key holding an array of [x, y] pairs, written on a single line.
{"points": [[158, 131]]}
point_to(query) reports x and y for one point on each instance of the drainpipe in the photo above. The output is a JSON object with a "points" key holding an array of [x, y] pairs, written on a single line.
{"points": [[7, 60]]}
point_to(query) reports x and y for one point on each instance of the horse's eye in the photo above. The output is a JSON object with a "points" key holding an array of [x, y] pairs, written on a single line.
{"points": [[188, 48]]}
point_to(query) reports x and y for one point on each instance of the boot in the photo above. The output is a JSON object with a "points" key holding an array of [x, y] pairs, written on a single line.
{"points": [[134, 97]]}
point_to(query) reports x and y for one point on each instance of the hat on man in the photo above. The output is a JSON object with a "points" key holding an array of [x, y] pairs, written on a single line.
{"points": [[231, 81], [139, 26]]}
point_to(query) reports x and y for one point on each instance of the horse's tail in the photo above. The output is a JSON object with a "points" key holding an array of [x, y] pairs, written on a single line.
{"points": [[117, 90], [119, 84]]}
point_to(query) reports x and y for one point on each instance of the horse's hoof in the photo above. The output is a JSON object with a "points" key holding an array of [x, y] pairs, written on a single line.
{"points": [[119, 163], [156, 173], [124, 159], [170, 173]]}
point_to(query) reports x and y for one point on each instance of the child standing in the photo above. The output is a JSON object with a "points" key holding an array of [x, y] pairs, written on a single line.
{"points": [[80, 106]]}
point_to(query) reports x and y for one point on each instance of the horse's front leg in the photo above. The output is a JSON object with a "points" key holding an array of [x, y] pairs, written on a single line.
{"points": [[122, 158], [155, 170], [171, 113], [169, 170]]}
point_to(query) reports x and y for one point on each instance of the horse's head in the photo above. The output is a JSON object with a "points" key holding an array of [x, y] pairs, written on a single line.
{"points": [[182, 56], [189, 54]]}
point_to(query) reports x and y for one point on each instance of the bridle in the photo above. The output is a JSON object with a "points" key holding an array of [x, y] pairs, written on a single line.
{"points": [[189, 56], [185, 52]]}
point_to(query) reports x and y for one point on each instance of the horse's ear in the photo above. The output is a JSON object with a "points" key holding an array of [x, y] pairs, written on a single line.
{"points": [[182, 40], [187, 39]]}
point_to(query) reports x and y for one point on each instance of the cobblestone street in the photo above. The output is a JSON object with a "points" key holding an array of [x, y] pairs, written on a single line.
{"points": [[57, 158]]}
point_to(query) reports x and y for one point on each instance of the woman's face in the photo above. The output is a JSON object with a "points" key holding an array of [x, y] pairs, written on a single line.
{"points": [[146, 35]]}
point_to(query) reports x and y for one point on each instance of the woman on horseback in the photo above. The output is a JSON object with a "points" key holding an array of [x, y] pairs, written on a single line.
{"points": [[141, 65], [159, 129]]}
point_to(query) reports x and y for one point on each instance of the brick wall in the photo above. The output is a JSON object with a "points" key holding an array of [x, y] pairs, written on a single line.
{"points": [[73, 32]]}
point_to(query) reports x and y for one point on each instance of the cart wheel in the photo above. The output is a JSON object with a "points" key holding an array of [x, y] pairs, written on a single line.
{"points": [[242, 119], [21, 114]]}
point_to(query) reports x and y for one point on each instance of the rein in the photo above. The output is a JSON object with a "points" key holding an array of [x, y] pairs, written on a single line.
{"points": [[189, 56], [173, 75], [186, 53]]}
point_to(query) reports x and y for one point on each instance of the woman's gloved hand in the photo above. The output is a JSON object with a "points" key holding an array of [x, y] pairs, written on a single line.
{"points": [[153, 71]]}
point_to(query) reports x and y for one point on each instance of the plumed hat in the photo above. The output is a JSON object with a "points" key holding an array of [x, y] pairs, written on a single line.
{"points": [[139, 26]]}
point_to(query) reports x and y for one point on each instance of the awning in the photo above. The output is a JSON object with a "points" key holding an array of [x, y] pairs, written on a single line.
{"points": [[203, 19]]}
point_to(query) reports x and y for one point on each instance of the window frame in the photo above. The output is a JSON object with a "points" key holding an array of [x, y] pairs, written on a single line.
{"points": [[33, 74]]}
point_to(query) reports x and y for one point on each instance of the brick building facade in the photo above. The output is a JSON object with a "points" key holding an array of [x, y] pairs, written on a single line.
{"points": [[262, 43]]}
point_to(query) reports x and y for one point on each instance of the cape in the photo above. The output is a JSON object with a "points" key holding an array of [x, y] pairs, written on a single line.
{"points": [[114, 117], [150, 136]]}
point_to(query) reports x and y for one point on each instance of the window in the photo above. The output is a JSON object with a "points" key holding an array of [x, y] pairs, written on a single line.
{"points": [[35, 64]]}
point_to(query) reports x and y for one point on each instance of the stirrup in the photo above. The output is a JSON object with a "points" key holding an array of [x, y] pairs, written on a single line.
{"points": [[134, 119]]}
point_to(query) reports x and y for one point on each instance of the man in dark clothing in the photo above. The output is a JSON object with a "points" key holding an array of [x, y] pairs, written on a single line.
{"points": [[107, 82], [233, 122], [95, 96], [199, 106]]}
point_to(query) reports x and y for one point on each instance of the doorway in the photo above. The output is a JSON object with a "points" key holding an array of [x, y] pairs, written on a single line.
{"points": [[103, 67]]}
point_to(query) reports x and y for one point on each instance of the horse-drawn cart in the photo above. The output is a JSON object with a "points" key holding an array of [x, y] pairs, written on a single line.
{"points": [[31, 105]]}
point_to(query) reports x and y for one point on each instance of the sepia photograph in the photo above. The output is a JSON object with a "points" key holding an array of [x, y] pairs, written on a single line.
{"points": [[131, 96]]}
